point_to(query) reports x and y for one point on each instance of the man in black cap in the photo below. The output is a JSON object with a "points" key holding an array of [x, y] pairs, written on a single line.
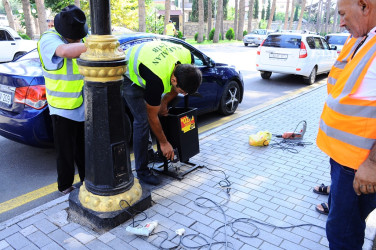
{"points": [[58, 49]]}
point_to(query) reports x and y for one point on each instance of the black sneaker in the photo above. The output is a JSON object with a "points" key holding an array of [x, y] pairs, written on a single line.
{"points": [[149, 178]]}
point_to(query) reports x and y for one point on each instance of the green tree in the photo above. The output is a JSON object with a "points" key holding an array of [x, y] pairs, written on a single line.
{"points": [[256, 10], [279, 16], [296, 13], [268, 11], [263, 13]]}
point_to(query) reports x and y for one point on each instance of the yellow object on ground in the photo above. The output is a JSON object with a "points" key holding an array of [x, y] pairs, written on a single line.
{"points": [[262, 138]]}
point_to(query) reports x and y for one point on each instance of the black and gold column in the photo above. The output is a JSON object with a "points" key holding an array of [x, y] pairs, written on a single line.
{"points": [[109, 181]]}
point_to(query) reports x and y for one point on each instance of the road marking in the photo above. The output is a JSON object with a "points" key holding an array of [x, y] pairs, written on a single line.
{"points": [[39, 193]]}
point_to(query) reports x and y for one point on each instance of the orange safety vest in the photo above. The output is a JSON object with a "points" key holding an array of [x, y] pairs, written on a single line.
{"points": [[342, 59], [347, 129]]}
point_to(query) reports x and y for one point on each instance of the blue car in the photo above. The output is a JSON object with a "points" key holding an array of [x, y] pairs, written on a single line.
{"points": [[24, 114]]}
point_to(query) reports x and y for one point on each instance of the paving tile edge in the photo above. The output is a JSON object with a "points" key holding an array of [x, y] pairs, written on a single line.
{"points": [[32, 212]]}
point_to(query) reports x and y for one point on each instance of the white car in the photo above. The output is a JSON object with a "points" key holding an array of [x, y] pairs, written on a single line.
{"points": [[337, 39], [256, 37], [294, 53], [12, 45]]}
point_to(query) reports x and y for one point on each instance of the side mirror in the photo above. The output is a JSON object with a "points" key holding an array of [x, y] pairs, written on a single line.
{"points": [[333, 47]]}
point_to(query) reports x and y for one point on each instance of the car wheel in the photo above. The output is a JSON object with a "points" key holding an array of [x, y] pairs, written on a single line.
{"points": [[265, 74], [312, 77], [245, 44], [230, 98], [18, 55]]}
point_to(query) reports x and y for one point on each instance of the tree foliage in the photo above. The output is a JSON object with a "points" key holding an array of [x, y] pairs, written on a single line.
{"points": [[230, 34], [194, 14]]}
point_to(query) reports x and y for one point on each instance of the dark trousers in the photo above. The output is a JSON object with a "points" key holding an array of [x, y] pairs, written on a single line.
{"points": [[69, 143], [347, 214]]}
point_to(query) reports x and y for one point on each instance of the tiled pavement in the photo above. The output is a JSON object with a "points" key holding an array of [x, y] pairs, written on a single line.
{"points": [[268, 184]]}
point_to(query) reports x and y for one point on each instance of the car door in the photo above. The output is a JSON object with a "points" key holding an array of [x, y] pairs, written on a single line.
{"points": [[319, 58], [330, 55], [8, 46]]}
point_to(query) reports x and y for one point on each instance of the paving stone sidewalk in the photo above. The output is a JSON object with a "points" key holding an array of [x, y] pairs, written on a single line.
{"points": [[268, 184]]}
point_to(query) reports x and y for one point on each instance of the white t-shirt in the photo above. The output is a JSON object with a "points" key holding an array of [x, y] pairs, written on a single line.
{"points": [[367, 89]]}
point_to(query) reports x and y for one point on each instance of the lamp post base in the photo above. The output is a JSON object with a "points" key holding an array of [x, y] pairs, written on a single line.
{"points": [[104, 221]]}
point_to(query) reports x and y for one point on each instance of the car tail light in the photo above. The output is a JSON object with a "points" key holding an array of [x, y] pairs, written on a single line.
{"points": [[303, 51], [259, 48], [33, 96]]}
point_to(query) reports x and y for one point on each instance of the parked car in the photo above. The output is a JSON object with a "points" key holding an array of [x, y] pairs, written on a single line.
{"points": [[24, 114], [337, 40], [12, 45], [294, 53], [256, 37]]}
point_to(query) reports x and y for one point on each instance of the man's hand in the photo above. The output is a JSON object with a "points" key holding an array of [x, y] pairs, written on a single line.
{"points": [[365, 178], [167, 150]]}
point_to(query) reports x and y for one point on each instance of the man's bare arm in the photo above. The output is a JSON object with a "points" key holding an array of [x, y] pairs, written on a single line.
{"points": [[365, 177], [70, 50]]}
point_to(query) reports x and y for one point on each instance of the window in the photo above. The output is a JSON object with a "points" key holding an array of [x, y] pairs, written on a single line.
{"points": [[311, 42], [325, 44], [126, 45], [283, 41], [3, 36], [318, 43], [338, 40]]}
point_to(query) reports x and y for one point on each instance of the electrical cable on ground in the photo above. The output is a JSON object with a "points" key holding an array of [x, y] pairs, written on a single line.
{"points": [[202, 202]]}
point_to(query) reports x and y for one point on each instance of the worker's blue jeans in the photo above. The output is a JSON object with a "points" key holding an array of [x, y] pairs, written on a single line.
{"points": [[347, 211], [134, 96]]}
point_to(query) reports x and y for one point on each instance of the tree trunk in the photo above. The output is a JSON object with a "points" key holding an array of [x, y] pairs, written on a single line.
{"points": [[182, 2], [222, 31], [200, 37], [301, 15], [327, 21], [218, 20], [241, 20], [167, 14], [335, 20], [292, 14], [271, 15], [236, 18], [286, 15], [42, 18], [9, 12], [210, 14], [250, 15], [318, 21], [77, 3], [30, 31], [141, 16]]}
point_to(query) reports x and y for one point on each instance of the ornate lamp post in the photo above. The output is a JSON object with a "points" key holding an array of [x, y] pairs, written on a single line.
{"points": [[109, 185]]}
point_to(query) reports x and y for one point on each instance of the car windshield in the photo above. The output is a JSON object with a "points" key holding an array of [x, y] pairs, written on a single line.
{"points": [[339, 40], [283, 41]]}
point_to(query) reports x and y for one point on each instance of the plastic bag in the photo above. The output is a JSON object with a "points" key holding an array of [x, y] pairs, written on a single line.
{"points": [[262, 138]]}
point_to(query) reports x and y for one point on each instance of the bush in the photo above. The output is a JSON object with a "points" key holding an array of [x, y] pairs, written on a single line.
{"points": [[245, 33], [24, 36], [211, 34], [196, 36], [180, 34], [230, 34]]}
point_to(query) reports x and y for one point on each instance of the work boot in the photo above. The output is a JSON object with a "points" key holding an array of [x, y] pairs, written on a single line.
{"points": [[149, 178]]}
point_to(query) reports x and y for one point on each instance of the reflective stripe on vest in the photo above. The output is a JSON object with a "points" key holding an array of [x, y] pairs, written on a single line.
{"points": [[63, 86], [342, 59], [348, 126], [159, 57]]}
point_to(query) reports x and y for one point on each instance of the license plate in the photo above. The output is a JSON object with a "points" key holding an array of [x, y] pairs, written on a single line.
{"points": [[277, 56], [5, 98]]}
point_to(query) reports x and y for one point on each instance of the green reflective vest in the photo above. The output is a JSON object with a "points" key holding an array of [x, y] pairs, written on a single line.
{"points": [[64, 85], [170, 29], [159, 57]]}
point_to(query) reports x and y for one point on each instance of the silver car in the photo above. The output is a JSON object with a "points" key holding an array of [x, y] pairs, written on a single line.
{"points": [[256, 37]]}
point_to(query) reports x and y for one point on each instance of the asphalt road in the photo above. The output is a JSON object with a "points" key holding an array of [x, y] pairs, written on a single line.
{"points": [[25, 169]]}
